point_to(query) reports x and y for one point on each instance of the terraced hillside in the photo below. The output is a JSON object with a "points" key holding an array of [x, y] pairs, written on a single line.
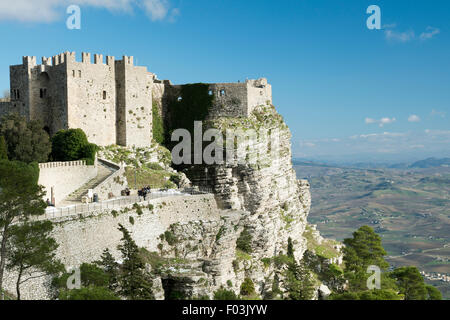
{"points": [[409, 208]]}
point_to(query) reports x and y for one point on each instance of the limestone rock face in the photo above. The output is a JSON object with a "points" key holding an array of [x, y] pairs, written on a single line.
{"points": [[275, 203]]}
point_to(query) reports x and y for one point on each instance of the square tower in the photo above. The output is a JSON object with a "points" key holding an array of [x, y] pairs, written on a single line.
{"points": [[134, 104]]}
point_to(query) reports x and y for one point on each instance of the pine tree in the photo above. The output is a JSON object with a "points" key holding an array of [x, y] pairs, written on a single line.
{"points": [[135, 283], [298, 281], [32, 252], [20, 198], [111, 267]]}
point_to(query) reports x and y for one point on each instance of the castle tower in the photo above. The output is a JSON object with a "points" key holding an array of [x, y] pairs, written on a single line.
{"points": [[134, 104]]}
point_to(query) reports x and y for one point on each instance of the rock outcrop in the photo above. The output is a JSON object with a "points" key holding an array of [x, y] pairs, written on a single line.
{"points": [[269, 201]]}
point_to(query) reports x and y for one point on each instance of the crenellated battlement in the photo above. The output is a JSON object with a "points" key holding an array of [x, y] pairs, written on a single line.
{"points": [[29, 62], [111, 99], [49, 165], [70, 57]]}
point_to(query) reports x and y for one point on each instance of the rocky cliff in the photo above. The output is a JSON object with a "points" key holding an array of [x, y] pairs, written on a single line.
{"points": [[265, 203]]}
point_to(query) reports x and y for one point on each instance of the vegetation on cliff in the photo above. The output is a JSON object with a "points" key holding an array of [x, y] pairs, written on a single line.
{"points": [[365, 249]]}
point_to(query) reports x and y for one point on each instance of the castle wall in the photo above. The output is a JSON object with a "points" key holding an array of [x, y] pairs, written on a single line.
{"points": [[51, 108], [230, 100], [84, 239], [259, 93], [91, 92], [64, 177], [134, 104], [19, 84]]}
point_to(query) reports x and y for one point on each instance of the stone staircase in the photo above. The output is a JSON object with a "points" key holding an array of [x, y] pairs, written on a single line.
{"points": [[103, 173]]}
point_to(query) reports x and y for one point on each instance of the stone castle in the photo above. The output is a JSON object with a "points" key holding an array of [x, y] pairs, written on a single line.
{"points": [[112, 102]]}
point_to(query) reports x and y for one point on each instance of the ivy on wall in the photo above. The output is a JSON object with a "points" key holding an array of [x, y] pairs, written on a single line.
{"points": [[158, 125], [193, 104]]}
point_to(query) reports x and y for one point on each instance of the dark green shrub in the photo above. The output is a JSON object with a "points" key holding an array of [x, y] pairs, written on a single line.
{"points": [[224, 294], [92, 275], [71, 145], [244, 241], [170, 238], [90, 293], [247, 287]]}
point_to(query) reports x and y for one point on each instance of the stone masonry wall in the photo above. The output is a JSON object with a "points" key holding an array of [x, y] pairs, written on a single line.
{"points": [[64, 177], [134, 104], [92, 98], [114, 184], [83, 239]]}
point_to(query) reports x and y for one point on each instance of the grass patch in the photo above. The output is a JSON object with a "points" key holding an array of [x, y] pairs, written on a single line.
{"points": [[154, 177]]}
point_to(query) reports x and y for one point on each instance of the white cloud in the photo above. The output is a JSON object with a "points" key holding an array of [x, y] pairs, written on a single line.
{"points": [[389, 26], [52, 10], [307, 144], [406, 36], [438, 132], [429, 33], [381, 145], [393, 35], [414, 118], [156, 9], [438, 113], [381, 122], [378, 135]]}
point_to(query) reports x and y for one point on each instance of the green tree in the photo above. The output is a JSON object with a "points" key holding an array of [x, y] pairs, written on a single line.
{"points": [[88, 293], [93, 276], [361, 251], [111, 267], [135, 282], [20, 198], [32, 252], [433, 293], [298, 281], [382, 294], [247, 287], [3, 149], [71, 145], [410, 283], [26, 141]]}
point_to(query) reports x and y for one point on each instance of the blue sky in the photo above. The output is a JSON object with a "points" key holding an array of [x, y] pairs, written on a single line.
{"points": [[346, 92]]}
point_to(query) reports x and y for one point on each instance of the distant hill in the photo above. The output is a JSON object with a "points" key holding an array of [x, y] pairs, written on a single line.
{"points": [[431, 163]]}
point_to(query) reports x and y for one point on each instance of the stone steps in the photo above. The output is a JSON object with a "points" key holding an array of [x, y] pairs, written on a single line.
{"points": [[103, 173]]}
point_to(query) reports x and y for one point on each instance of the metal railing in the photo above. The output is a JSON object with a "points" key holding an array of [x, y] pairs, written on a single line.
{"points": [[80, 209]]}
